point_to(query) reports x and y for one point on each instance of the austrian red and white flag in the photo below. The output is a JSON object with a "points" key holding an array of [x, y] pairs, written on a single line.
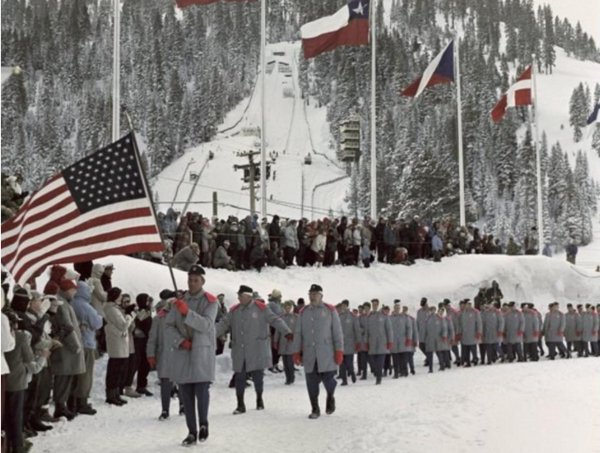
{"points": [[348, 27], [518, 94], [98, 206]]}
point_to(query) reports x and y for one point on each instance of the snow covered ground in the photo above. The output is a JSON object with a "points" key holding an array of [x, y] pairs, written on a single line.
{"points": [[545, 406], [521, 407]]}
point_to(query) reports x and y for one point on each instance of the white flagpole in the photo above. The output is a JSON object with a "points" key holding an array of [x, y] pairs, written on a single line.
{"points": [[263, 151], [116, 79], [461, 170], [372, 14], [538, 161]]}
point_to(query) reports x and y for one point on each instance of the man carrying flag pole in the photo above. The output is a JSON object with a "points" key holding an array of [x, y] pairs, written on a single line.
{"points": [[445, 68]]}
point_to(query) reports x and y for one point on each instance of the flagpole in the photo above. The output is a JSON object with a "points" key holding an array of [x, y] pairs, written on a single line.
{"points": [[538, 160], [263, 152], [461, 170], [148, 192], [116, 79], [372, 14]]}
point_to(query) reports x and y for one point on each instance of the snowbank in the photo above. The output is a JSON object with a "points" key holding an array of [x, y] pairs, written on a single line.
{"points": [[525, 278]]}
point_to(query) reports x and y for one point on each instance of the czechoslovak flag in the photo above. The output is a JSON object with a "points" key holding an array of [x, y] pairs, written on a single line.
{"points": [[518, 94], [440, 70], [348, 27]]}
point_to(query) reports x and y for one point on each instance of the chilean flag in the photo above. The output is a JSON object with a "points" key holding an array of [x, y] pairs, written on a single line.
{"points": [[440, 70], [348, 27], [518, 94], [186, 3]]}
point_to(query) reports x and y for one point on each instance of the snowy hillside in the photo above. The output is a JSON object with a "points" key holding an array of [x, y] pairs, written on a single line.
{"points": [[587, 12], [293, 130]]}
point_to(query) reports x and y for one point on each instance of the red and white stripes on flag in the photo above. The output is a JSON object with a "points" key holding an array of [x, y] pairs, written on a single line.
{"points": [[98, 206], [519, 93]]}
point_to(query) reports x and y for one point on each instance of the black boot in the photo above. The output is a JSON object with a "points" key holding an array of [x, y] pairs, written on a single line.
{"points": [[241, 407], [189, 440], [203, 432], [316, 411], [330, 405], [83, 407], [62, 411], [353, 377], [260, 405], [111, 397], [37, 425], [72, 404]]}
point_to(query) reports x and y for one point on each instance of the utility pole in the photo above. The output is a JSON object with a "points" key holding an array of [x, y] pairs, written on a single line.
{"points": [[251, 172]]}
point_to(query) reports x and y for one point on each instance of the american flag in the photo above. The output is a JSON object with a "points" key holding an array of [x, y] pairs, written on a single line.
{"points": [[98, 206]]}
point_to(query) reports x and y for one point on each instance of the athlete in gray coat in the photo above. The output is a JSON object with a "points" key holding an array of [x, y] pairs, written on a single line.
{"points": [[470, 333], [531, 332], [514, 326], [434, 336], [191, 341], [319, 344], [283, 345], [249, 323], [402, 344], [379, 339], [554, 332], [352, 340]]}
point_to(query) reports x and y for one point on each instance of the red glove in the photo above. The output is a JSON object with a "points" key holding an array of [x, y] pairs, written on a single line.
{"points": [[161, 313], [536, 334], [499, 334], [357, 347], [388, 346], [181, 306], [339, 357], [459, 337], [186, 344], [151, 361], [297, 359], [561, 333], [408, 342], [289, 336], [519, 334], [478, 336]]}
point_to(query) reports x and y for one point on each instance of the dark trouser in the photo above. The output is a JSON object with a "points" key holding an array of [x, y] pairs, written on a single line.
{"points": [[142, 362], [45, 388], [594, 348], [347, 367], [314, 378], [381, 252], [571, 346], [62, 388], [363, 357], [399, 360], [387, 364], [274, 351], [422, 348], [377, 361], [456, 353], [429, 359], [553, 345], [410, 358], [166, 387], [513, 348], [116, 373], [131, 369], [197, 392], [101, 338], [31, 398], [467, 350], [288, 367], [531, 351], [13, 423], [3, 390], [447, 359], [84, 381], [489, 349], [288, 255], [240, 381], [541, 346]]}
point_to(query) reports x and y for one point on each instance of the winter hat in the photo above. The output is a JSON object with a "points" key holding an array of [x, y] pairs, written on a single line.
{"points": [[275, 294], [314, 288], [143, 300], [66, 285], [113, 294], [245, 290], [197, 270], [166, 294], [20, 300]]}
